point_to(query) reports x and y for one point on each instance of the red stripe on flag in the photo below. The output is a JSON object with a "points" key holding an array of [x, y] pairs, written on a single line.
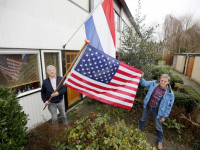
{"points": [[103, 93], [130, 68], [109, 13], [101, 87], [101, 99], [125, 81], [124, 86]]}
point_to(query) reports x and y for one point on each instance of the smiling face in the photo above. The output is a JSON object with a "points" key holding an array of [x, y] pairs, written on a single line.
{"points": [[163, 82], [52, 72]]}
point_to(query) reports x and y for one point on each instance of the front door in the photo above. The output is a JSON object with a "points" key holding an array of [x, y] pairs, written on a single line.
{"points": [[72, 95], [190, 66]]}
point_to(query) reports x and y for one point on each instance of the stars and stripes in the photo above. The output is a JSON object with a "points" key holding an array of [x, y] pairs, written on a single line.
{"points": [[104, 78], [10, 66]]}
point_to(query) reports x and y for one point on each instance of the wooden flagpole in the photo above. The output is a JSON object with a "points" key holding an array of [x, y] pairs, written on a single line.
{"points": [[86, 42]]}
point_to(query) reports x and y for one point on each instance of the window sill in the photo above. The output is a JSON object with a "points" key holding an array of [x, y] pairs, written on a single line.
{"points": [[28, 92]]}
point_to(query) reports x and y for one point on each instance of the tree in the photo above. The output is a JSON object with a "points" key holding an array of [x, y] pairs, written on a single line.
{"points": [[181, 34], [138, 49]]}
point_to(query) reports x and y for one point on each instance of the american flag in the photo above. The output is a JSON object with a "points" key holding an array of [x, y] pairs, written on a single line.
{"points": [[104, 78], [10, 66]]}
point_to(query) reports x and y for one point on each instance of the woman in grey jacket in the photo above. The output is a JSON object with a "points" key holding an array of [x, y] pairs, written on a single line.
{"points": [[158, 101]]}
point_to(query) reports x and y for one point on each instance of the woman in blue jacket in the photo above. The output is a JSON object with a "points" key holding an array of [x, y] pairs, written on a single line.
{"points": [[158, 101], [48, 87]]}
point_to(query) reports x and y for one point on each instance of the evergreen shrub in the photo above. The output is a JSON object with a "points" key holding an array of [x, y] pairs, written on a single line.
{"points": [[12, 121], [178, 79], [186, 100]]}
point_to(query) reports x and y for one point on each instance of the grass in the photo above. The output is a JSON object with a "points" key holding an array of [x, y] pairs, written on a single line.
{"points": [[160, 61]]}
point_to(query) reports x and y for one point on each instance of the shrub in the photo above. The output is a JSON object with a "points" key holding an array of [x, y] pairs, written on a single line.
{"points": [[93, 132], [186, 101], [157, 71], [12, 120], [178, 79]]}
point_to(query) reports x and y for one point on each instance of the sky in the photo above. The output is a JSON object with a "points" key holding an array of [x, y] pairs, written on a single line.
{"points": [[156, 10]]}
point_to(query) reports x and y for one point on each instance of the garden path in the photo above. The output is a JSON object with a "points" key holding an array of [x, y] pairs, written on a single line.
{"points": [[187, 80]]}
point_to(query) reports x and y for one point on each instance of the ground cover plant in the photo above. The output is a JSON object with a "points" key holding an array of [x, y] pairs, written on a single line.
{"points": [[177, 129], [91, 132]]}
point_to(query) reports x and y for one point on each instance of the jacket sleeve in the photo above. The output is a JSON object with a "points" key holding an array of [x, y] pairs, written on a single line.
{"points": [[43, 93], [169, 106], [62, 90], [145, 83]]}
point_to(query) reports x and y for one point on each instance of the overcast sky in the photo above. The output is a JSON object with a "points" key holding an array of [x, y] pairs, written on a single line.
{"points": [[156, 10]]}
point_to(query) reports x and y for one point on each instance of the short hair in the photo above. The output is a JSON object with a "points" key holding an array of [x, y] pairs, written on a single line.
{"points": [[165, 76], [50, 66]]}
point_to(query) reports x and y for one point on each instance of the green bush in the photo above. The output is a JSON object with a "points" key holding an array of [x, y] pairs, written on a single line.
{"points": [[186, 101], [178, 79], [12, 121], [93, 132], [157, 71]]}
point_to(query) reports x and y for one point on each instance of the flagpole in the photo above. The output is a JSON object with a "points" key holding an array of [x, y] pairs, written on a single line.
{"points": [[82, 24], [72, 64]]}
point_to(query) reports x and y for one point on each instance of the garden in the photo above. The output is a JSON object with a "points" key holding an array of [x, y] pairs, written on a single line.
{"points": [[94, 131]]}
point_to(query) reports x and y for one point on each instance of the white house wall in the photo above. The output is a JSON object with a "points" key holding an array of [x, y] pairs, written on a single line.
{"points": [[125, 18], [41, 24], [196, 70], [33, 106], [180, 63]]}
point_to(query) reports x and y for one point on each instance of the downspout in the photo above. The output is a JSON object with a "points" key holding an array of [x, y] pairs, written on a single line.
{"points": [[186, 64]]}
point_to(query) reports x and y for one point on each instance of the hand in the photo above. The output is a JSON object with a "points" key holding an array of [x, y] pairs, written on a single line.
{"points": [[47, 103], [142, 74], [162, 120], [54, 94]]}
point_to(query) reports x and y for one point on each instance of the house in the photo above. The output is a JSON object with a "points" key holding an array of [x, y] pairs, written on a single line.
{"points": [[32, 35]]}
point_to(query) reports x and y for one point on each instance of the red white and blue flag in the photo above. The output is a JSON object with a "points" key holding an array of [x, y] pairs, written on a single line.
{"points": [[10, 66], [100, 28], [104, 78]]}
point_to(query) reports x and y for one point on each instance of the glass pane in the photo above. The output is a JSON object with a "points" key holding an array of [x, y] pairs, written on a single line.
{"points": [[19, 71], [75, 55], [68, 65], [52, 59], [68, 58], [72, 58]]}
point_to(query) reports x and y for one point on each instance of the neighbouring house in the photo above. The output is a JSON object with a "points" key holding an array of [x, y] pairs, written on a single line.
{"points": [[188, 64], [32, 35]]}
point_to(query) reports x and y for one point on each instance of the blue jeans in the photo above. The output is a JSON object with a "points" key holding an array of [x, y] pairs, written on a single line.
{"points": [[158, 124], [53, 110]]}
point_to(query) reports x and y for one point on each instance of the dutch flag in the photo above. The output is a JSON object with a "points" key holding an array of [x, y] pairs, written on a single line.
{"points": [[100, 28]]}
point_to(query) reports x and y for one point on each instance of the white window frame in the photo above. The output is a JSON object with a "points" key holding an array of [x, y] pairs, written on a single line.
{"points": [[43, 64], [26, 51]]}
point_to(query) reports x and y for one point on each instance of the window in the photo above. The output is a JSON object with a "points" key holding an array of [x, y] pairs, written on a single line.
{"points": [[122, 26], [51, 58], [117, 22], [85, 4], [19, 71]]}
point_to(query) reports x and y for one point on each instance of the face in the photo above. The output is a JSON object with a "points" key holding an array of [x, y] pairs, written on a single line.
{"points": [[163, 82], [52, 72]]}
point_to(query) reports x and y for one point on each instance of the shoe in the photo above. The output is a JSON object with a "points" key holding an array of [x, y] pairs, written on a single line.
{"points": [[160, 146]]}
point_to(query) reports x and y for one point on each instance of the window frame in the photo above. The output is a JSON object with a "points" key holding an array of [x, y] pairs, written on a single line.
{"points": [[43, 63]]}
